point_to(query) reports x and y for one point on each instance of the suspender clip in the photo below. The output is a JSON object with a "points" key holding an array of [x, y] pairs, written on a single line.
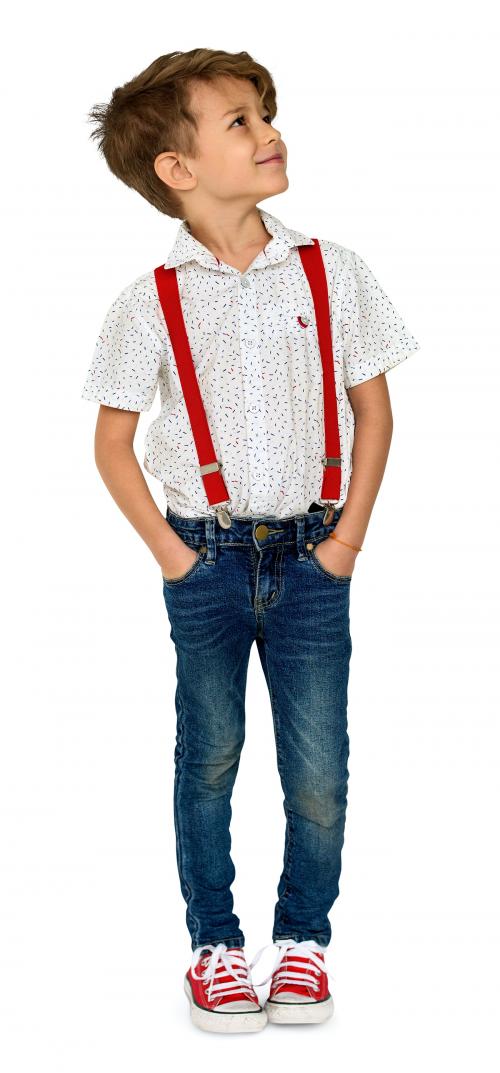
{"points": [[223, 517], [330, 507], [329, 513]]}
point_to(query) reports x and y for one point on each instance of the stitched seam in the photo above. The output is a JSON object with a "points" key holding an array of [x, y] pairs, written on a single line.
{"points": [[184, 577], [319, 566]]}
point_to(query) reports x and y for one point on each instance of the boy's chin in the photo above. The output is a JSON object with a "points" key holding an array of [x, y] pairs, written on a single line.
{"points": [[275, 184]]}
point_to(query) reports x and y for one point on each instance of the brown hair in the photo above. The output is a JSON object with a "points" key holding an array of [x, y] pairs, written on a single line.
{"points": [[152, 114]]}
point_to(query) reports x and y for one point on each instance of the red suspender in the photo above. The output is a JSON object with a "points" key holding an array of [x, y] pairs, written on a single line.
{"points": [[168, 291], [215, 488], [312, 261]]}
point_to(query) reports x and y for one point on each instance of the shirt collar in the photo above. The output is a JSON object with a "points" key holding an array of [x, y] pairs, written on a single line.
{"points": [[187, 248]]}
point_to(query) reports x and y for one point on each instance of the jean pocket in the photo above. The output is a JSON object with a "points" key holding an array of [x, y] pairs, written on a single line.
{"points": [[171, 581], [343, 579]]}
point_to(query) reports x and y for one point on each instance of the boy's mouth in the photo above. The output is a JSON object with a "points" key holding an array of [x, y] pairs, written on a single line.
{"points": [[275, 159]]}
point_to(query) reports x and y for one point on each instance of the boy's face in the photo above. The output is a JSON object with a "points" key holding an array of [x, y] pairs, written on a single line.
{"points": [[231, 148]]}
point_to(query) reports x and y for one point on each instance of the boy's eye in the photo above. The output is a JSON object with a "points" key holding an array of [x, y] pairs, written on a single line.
{"points": [[267, 116]]}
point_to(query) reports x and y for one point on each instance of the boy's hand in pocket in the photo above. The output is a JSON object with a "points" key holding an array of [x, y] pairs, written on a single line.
{"points": [[336, 557], [180, 560]]}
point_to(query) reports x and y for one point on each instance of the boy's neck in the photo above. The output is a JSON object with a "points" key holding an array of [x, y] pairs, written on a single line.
{"points": [[236, 238]]}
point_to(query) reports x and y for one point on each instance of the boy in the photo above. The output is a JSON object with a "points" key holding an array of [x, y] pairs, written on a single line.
{"points": [[269, 348]]}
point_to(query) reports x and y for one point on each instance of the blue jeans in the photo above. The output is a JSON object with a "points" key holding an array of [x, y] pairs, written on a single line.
{"points": [[260, 581]]}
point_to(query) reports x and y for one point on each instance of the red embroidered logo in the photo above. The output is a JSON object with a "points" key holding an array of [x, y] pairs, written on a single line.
{"points": [[303, 322]]}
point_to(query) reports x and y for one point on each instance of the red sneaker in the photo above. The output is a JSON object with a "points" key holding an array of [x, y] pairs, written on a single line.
{"points": [[219, 988], [299, 991]]}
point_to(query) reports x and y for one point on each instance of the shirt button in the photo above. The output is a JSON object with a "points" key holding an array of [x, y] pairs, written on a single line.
{"points": [[249, 342], [245, 282]]}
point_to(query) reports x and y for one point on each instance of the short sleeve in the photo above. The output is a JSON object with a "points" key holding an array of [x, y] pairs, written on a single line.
{"points": [[374, 336], [127, 356]]}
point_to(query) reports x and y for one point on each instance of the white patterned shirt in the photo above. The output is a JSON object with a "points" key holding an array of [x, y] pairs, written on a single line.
{"points": [[259, 369]]}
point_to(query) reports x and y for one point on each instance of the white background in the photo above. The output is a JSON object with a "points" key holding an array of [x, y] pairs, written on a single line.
{"points": [[390, 116]]}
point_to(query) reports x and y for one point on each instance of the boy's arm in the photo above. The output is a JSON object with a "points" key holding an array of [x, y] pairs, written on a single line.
{"points": [[374, 339], [372, 438], [120, 470]]}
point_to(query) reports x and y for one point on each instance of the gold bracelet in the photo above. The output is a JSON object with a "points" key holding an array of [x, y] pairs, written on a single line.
{"points": [[335, 537]]}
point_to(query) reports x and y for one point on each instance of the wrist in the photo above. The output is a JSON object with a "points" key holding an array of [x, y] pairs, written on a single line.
{"points": [[345, 541]]}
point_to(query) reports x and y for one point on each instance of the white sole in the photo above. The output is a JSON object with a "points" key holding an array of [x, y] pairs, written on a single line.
{"points": [[210, 1021], [299, 1013]]}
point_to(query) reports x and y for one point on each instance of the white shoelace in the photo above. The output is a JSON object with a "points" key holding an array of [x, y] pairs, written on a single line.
{"points": [[222, 963], [307, 948]]}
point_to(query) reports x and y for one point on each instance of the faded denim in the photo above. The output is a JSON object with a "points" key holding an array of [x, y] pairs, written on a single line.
{"points": [[274, 591]]}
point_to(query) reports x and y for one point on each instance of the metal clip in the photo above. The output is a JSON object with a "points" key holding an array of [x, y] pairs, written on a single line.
{"points": [[329, 513], [223, 517]]}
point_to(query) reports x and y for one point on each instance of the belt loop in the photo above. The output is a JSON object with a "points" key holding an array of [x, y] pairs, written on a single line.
{"points": [[301, 551], [210, 541]]}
